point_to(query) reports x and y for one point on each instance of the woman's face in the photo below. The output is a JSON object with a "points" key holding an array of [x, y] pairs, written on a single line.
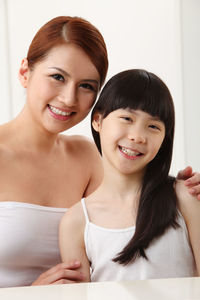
{"points": [[61, 89]]}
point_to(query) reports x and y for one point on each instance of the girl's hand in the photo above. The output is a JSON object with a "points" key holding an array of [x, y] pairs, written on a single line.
{"points": [[191, 180], [61, 274]]}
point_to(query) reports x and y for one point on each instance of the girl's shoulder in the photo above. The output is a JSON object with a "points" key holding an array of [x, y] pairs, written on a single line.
{"points": [[190, 208], [74, 217]]}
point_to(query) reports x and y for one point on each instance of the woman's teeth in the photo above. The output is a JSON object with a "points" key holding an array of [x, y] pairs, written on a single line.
{"points": [[58, 111], [130, 152]]}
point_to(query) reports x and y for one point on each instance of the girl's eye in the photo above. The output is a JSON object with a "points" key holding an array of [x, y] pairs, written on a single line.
{"points": [[87, 86], [58, 77], [128, 119], [155, 127]]}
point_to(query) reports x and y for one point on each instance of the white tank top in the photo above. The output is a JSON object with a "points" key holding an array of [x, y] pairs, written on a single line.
{"points": [[169, 255], [28, 241]]}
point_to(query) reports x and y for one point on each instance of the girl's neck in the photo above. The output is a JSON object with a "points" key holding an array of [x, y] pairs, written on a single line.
{"points": [[121, 186]]}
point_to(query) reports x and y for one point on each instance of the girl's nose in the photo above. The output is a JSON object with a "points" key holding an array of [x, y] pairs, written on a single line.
{"points": [[138, 136]]}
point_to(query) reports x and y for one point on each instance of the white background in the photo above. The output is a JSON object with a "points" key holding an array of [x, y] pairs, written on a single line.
{"points": [[162, 36]]}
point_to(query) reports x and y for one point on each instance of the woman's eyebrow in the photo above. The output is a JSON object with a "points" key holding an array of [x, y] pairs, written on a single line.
{"points": [[60, 70], [67, 74]]}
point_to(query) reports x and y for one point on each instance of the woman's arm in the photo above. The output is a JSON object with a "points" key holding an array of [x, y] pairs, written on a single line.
{"points": [[60, 274], [191, 180], [190, 209], [71, 239]]}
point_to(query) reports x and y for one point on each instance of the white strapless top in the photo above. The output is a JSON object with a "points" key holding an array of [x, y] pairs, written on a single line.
{"points": [[28, 241]]}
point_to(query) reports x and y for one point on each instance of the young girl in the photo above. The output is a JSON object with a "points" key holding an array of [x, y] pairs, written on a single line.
{"points": [[134, 226]]}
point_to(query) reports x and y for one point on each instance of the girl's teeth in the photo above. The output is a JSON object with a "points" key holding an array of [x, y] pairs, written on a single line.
{"points": [[129, 152], [58, 111]]}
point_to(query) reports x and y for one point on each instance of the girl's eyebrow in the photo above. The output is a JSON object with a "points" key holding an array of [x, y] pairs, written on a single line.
{"points": [[133, 111], [68, 75]]}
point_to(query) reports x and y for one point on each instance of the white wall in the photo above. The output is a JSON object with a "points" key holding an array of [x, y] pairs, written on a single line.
{"points": [[139, 34], [191, 79]]}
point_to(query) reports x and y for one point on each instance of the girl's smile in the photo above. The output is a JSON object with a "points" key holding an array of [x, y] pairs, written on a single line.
{"points": [[130, 135], [130, 153]]}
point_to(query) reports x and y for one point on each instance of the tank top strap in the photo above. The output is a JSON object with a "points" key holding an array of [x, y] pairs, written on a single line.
{"points": [[85, 210]]}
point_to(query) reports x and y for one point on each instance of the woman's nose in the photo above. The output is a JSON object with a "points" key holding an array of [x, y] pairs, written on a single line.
{"points": [[69, 95]]}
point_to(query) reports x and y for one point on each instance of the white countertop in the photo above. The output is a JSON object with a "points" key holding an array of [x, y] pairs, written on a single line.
{"points": [[156, 289]]}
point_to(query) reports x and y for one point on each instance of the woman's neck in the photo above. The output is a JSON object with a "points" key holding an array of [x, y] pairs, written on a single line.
{"points": [[29, 135]]}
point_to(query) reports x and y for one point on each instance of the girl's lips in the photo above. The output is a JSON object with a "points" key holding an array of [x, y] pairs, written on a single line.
{"points": [[130, 153]]}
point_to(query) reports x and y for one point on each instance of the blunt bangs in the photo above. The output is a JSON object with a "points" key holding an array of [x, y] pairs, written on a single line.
{"points": [[138, 90]]}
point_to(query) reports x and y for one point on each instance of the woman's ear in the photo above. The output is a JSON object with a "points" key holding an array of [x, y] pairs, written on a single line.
{"points": [[96, 122], [24, 73]]}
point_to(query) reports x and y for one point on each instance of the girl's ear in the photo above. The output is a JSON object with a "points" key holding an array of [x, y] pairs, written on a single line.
{"points": [[96, 122], [24, 73]]}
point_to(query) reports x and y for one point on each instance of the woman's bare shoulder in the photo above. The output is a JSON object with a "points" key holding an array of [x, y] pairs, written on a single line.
{"points": [[79, 143]]}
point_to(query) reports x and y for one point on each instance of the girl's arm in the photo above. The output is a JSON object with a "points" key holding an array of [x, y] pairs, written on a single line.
{"points": [[71, 240], [191, 213]]}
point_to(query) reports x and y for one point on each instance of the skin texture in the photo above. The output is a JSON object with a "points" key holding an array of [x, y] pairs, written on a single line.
{"points": [[139, 132]]}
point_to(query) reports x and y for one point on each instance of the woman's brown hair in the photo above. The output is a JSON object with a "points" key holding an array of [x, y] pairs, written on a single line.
{"points": [[65, 29]]}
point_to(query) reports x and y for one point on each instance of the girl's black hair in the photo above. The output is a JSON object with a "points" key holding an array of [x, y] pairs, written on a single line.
{"points": [[141, 90]]}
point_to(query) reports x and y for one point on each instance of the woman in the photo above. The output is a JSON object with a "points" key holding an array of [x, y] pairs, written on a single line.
{"points": [[42, 171]]}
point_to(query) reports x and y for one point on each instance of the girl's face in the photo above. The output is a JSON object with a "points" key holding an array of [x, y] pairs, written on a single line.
{"points": [[61, 89], [130, 139]]}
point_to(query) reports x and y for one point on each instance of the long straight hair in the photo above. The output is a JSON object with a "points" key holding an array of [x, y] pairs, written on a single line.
{"points": [[141, 90]]}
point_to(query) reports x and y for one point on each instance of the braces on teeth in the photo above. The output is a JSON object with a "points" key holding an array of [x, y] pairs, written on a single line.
{"points": [[129, 152]]}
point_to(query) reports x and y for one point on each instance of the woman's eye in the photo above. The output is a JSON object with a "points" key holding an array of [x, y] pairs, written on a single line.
{"points": [[87, 86], [58, 77]]}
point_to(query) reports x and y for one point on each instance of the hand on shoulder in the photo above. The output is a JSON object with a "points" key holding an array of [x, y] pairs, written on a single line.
{"points": [[190, 208], [191, 181], [188, 204]]}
